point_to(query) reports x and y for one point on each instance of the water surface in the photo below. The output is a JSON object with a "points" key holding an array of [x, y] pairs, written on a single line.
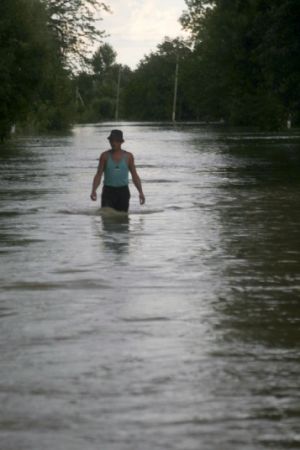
{"points": [[175, 327]]}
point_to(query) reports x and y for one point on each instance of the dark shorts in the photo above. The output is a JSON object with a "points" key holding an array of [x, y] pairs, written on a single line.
{"points": [[115, 197]]}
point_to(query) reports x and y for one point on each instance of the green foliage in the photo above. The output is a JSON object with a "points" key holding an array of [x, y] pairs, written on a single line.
{"points": [[241, 64], [24, 52], [53, 108], [98, 89], [247, 58], [74, 25], [149, 94], [40, 42], [103, 59]]}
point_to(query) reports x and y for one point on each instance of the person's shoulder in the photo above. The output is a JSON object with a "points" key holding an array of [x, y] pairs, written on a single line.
{"points": [[129, 155], [104, 155], [103, 159]]}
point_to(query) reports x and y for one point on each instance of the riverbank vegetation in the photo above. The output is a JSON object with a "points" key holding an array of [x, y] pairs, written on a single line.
{"points": [[42, 44], [246, 65], [239, 65]]}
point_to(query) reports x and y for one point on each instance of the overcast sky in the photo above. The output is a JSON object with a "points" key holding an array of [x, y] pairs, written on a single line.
{"points": [[137, 26]]}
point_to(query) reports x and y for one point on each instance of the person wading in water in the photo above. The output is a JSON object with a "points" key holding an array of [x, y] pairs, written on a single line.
{"points": [[115, 164]]}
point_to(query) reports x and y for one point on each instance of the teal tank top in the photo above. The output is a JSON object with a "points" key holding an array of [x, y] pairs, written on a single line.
{"points": [[116, 173]]}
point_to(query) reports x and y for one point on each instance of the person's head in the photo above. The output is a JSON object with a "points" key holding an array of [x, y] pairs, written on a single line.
{"points": [[115, 139]]}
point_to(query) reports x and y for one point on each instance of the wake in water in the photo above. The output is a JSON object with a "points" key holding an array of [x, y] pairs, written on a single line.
{"points": [[109, 212]]}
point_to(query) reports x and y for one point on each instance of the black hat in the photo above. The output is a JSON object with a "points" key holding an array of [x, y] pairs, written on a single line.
{"points": [[117, 135]]}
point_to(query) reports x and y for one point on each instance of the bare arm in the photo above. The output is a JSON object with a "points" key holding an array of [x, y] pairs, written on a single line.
{"points": [[98, 176], [135, 178]]}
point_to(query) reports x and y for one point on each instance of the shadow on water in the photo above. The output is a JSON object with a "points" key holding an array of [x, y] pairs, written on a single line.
{"points": [[115, 231], [264, 160], [260, 236], [23, 169], [258, 308]]}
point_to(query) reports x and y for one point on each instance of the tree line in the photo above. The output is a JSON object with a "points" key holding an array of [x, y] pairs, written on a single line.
{"points": [[240, 65], [42, 44], [246, 60]]}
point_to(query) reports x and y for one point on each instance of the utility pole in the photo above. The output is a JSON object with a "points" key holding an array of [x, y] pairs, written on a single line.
{"points": [[289, 121], [118, 94], [175, 89], [78, 97]]}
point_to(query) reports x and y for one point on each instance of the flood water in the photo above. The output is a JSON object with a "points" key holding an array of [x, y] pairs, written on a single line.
{"points": [[176, 327]]}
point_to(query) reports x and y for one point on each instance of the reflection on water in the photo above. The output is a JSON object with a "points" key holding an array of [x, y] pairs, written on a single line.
{"points": [[173, 327], [115, 232], [261, 236]]}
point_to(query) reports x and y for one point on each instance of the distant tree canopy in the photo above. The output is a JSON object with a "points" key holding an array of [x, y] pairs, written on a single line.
{"points": [[97, 87], [74, 25], [246, 59], [149, 94], [145, 94], [103, 59], [25, 52], [240, 63], [40, 41]]}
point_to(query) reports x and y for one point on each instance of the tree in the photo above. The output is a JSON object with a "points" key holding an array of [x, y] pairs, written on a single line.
{"points": [[98, 86], [149, 94], [246, 58], [41, 42], [25, 51], [73, 22], [103, 59]]}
